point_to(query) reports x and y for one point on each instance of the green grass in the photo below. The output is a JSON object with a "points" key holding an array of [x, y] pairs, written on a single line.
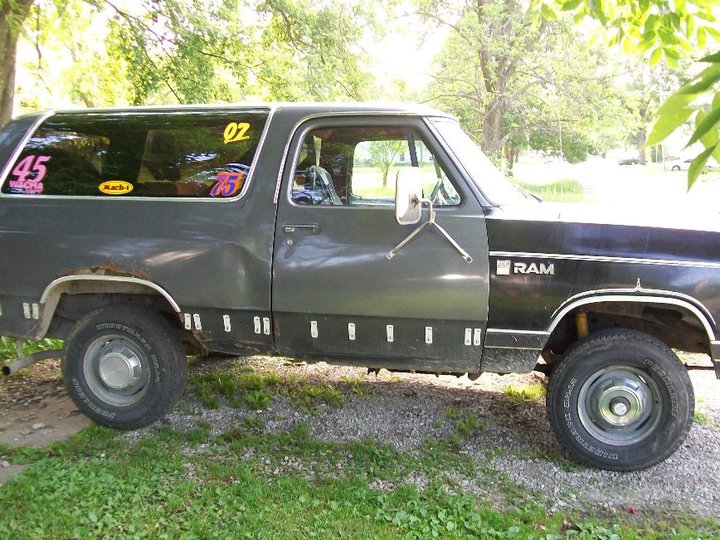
{"points": [[8, 349], [566, 190], [282, 485], [704, 420], [247, 483], [534, 391], [238, 387]]}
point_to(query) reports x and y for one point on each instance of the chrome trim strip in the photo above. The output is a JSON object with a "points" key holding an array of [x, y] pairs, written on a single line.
{"points": [[227, 200], [89, 277], [18, 149], [663, 293], [666, 300], [506, 348], [538, 333], [602, 258]]}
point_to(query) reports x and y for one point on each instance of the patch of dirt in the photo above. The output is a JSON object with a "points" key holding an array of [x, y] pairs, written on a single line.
{"points": [[8, 471], [35, 410]]}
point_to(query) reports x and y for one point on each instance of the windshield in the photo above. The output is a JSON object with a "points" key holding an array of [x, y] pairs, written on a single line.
{"points": [[486, 176]]}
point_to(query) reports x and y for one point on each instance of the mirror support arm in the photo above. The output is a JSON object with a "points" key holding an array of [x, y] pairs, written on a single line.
{"points": [[430, 223]]}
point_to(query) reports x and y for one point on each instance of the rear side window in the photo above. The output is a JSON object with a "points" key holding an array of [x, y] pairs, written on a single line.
{"points": [[158, 154]]}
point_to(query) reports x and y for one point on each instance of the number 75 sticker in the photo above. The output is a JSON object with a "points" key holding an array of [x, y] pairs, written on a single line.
{"points": [[227, 184]]}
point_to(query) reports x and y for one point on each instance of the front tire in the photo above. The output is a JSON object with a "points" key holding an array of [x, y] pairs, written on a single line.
{"points": [[124, 366], [620, 400]]}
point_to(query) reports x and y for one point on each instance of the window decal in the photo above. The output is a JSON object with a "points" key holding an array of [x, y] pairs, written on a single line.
{"points": [[116, 187], [235, 131], [228, 184], [29, 173]]}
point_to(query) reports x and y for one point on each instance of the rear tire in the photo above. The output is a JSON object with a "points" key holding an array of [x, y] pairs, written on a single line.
{"points": [[124, 366], [620, 400]]}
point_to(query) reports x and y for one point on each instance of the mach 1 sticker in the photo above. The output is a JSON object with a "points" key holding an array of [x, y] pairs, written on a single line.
{"points": [[115, 187]]}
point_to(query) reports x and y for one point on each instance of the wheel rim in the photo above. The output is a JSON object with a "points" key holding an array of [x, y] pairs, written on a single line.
{"points": [[116, 370], [620, 406]]}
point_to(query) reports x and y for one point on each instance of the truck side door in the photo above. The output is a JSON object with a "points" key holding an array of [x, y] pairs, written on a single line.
{"points": [[335, 293]]}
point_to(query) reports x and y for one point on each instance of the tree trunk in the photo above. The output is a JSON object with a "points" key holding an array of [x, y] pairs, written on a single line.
{"points": [[509, 151], [12, 16], [640, 137], [492, 122]]}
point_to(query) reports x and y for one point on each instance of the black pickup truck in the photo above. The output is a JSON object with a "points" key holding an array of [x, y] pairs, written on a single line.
{"points": [[357, 234]]}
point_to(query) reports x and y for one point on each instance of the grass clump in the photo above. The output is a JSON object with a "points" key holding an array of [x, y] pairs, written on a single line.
{"points": [[465, 426], [239, 387], [355, 384], [566, 190], [702, 419], [312, 395], [534, 392], [257, 399], [8, 347]]}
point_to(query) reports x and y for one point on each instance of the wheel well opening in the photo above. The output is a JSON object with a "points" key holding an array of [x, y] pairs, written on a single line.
{"points": [[677, 327]]}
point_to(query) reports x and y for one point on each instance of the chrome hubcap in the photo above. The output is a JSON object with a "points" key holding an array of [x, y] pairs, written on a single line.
{"points": [[120, 367], [116, 370], [619, 405]]}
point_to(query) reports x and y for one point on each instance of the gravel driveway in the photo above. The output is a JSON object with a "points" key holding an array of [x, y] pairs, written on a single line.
{"points": [[514, 438]]}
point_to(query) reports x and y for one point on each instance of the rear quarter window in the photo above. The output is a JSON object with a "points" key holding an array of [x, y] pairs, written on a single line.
{"points": [[160, 154]]}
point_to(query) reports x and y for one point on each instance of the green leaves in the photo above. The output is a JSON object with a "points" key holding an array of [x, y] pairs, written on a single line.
{"points": [[671, 30], [705, 81], [698, 164], [666, 124], [708, 122]]}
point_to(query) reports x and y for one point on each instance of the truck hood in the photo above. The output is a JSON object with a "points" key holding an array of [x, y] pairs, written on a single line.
{"points": [[623, 214], [622, 231]]}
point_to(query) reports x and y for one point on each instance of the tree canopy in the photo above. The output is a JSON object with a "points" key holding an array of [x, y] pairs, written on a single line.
{"points": [[518, 74], [194, 51], [666, 31]]}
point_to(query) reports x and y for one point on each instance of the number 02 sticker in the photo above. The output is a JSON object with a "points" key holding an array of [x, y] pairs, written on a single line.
{"points": [[236, 131]]}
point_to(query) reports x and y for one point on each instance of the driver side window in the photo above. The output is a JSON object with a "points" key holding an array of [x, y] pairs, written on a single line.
{"points": [[357, 166]]}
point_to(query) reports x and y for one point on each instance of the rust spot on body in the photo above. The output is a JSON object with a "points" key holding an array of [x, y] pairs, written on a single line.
{"points": [[110, 269]]}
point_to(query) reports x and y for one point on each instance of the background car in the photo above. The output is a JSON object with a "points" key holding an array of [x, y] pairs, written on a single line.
{"points": [[628, 161], [678, 164]]}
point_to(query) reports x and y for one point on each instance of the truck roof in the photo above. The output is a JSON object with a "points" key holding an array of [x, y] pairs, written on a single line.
{"points": [[295, 108]]}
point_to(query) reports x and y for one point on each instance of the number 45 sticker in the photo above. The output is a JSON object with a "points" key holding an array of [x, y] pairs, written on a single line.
{"points": [[29, 173]]}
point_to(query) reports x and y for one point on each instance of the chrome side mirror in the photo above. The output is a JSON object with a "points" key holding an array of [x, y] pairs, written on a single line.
{"points": [[408, 194]]}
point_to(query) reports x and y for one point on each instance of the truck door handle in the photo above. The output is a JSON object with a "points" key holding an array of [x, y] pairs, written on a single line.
{"points": [[309, 228]]}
